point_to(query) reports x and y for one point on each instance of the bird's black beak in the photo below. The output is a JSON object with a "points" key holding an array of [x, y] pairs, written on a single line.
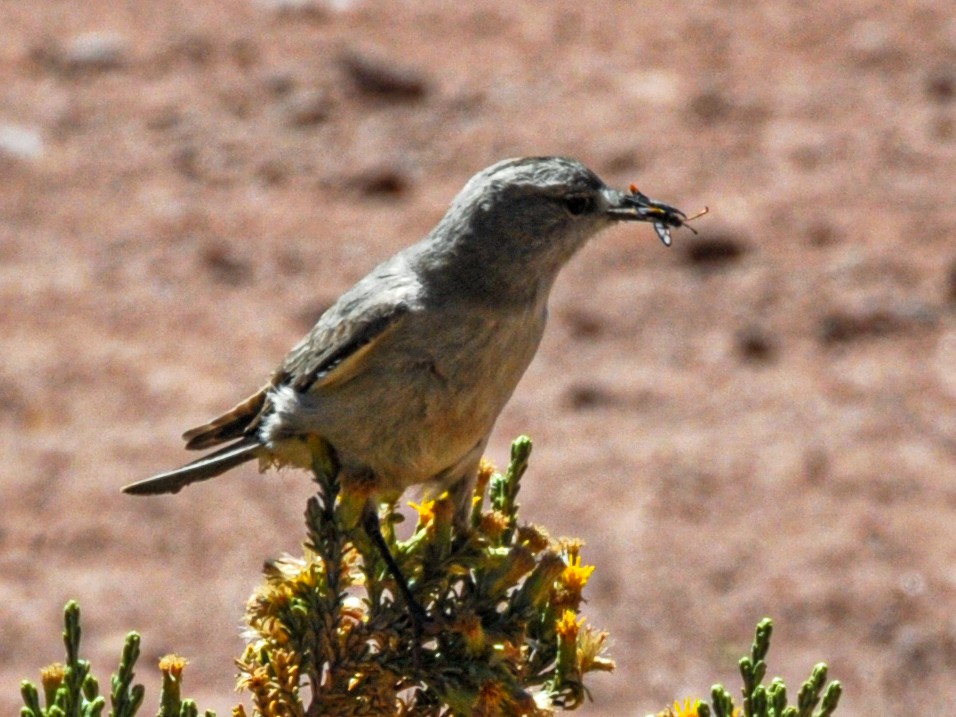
{"points": [[638, 207]]}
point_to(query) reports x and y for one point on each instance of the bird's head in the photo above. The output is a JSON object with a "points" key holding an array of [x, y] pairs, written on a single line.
{"points": [[524, 218]]}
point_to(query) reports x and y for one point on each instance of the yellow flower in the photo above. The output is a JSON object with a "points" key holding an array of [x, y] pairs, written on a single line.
{"points": [[571, 547], [575, 576], [535, 537], [425, 510], [307, 578], [493, 524], [172, 665], [52, 677], [486, 470], [568, 625], [285, 668], [688, 709], [591, 644], [53, 673]]}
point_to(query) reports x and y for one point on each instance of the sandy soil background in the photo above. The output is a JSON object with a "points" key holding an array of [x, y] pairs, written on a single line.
{"points": [[759, 421]]}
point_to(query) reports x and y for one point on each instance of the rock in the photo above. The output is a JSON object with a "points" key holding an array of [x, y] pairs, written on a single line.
{"points": [[874, 43], [374, 75], [304, 108], [294, 7], [196, 49], [821, 233], [586, 396], [941, 85], [279, 83], [711, 107], [163, 117], [844, 326], [755, 345], [316, 8], [244, 52], [95, 52], [224, 266], [383, 180], [19, 142], [272, 172], [584, 325], [951, 284], [713, 250]]}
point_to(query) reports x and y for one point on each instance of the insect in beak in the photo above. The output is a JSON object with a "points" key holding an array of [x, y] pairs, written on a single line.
{"points": [[663, 216]]}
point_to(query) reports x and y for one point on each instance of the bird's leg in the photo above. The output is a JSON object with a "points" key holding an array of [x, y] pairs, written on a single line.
{"points": [[373, 529]]}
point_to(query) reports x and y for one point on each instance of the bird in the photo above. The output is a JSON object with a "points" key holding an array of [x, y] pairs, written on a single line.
{"points": [[406, 373]]}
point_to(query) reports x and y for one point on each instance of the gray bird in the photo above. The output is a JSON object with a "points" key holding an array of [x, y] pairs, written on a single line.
{"points": [[405, 375]]}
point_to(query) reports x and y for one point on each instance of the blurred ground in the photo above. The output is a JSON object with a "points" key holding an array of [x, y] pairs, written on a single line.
{"points": [[760, 421]]}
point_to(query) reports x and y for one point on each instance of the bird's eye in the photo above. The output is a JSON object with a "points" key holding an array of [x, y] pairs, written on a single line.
{"points": [[578, 204]]}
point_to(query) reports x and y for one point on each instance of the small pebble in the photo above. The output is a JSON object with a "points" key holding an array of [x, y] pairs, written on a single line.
{"points": [[755, 345], [711, 107], [294, 7], [713, 250], [279, 83], [379, 76], [95, 52], [304, 108], [941, 85], [385, 180], [846, 326], [19, 142], [581, 397], [224, 265], [305, 7], [951, 284]]}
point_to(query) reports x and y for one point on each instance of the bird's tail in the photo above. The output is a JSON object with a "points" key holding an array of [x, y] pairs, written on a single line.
{"points": [[205, 468]]}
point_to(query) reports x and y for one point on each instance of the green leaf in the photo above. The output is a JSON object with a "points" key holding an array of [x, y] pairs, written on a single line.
{"points": [[31, 700], [809, 695], [94, 708], [124, 698], [830, 699], [722, 701], [761, 644]]}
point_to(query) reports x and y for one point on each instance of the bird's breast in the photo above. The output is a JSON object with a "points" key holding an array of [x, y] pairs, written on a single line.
{"points": [[479, 361], [429, 392]]}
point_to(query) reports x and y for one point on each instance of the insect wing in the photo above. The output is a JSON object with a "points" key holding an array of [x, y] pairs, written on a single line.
{"points": [[663, 233]]}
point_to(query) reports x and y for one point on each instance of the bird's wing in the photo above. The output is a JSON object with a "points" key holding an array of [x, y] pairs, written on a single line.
{"points": [[330, 354], [333, 351], [234, 423]]}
